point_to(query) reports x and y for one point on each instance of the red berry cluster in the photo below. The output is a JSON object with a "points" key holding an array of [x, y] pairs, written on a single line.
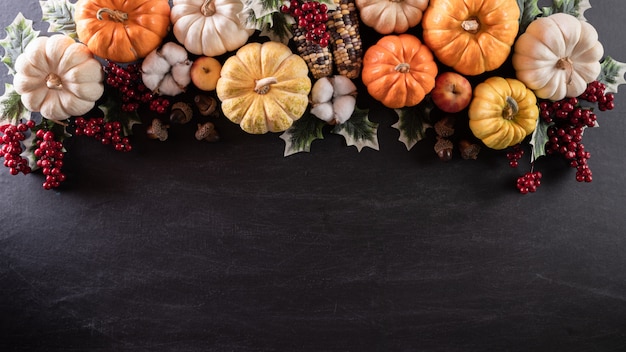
{"points": [[160, 104], [515, 155], [569, 120], [312, 16], [127, 79], [529, 182], [11, 137], [595, 93], [50, 155], [109, 133]]}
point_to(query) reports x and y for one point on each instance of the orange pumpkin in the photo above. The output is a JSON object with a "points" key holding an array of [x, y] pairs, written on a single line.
{"points": [[399, 70], [120, 30], [471, 36]]}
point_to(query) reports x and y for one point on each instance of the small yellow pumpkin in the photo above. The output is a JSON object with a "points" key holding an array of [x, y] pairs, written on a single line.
{"points": [[503, 112], [58, 77], [264, 87], [471, 36]]}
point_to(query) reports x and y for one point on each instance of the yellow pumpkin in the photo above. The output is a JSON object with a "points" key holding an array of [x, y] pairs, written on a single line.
{"points": [[471, 36], [122, 31], [264, 87], [503, 112]]}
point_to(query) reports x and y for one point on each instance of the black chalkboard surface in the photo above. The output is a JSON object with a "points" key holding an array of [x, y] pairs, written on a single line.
{"points": [[189, 246]]}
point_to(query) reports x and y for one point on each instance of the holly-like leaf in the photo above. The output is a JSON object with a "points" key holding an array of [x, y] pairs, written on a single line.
{"points": [[539, 139], [19, 33], [11, 107], [575, 8], [612, 74], [302, 133], [412, 122], [60, 15], [529, 10], [112, 109], [358, 130]]}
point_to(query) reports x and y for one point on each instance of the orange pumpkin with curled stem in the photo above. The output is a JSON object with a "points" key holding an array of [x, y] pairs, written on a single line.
{"points": [[399, 70], [471, 36], [122, 31]]}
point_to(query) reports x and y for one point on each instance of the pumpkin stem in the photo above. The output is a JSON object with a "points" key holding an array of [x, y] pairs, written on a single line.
{"points": [[566, 64], [208, 8], [263, 85], [114, 15], [53, 81], [403, 67], [471, 25], [511, 109]]}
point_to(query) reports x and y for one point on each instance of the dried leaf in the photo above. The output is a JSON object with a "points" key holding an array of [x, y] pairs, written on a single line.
{"points": [[60, 15], [302, 133], [358, 130], [19, 33]]}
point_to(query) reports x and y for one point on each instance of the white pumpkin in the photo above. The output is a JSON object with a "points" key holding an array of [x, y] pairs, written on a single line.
{"points": [[558, 56], [209, 27], [58, 77], [391, 16]]}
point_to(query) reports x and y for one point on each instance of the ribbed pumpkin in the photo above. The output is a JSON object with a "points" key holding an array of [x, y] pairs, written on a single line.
{"points": [[557, 56], [391, 16], [399, 70], [264, 87], [209, 27], [471, 36], [120, 30], [503, 112]]}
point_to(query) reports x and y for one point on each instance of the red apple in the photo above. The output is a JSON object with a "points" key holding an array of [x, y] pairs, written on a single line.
{"points": [[452, 92]]}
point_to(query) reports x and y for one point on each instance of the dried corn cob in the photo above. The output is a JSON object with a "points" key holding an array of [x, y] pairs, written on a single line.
{"points": [[343, 25], [318, 58]]}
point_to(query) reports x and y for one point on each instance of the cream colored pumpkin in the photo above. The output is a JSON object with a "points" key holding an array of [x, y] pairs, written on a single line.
{"points": [[209, 27], [391, 16], [58, 77], [264, 87], [558, 56]]}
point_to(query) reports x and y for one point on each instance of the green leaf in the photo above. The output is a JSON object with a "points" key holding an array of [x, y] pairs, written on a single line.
{"points": [[19, 33], [11, 107], [529, 10], [612, 74], [412, 122], [60, 15], [358, 130], [539, 139], [575, 8], [112, 109], [302, 133]]}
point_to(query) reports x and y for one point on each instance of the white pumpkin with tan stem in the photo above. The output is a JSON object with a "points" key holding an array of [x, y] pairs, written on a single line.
{"points": [[209, 27], [58, 77], [558, 56], [391, 16]]}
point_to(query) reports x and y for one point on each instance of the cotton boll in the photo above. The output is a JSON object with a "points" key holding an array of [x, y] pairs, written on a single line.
{"points": [[322, 91], [181, 73], [343, 85], [343, 107], [169, 86], [173, 53], [323, 111], [155, 64], [152, 80]]}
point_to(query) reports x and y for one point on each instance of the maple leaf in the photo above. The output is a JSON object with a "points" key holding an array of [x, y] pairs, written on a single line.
{"points": [[358, 130], [11, 107], [538, 139], [19, 33], [60, 16], [412, 122], [575, 8], [302, 133], [529, 10], [612, 74]]}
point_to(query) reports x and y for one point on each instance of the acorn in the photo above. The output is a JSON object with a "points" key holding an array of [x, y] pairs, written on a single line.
{"points": [[157, 130], [181, 113], [207, 105], [443, 148], [207, 132]]}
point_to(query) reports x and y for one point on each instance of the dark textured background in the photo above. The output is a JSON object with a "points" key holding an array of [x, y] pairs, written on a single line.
{"points": [[189, 246]]}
